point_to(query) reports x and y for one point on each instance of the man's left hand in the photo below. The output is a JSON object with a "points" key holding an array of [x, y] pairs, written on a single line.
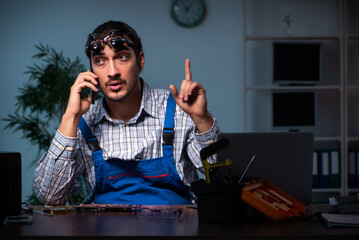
{"points": [[192, 100]]}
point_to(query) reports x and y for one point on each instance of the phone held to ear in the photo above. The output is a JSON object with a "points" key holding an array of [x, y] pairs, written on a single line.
{"points": [[93, 96], [93, 93]]}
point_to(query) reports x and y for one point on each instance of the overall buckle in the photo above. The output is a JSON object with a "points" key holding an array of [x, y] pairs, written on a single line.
{"points": [[168, 136], [93, 144]]}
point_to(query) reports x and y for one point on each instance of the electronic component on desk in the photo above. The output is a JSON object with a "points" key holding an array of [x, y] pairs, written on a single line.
{"points": [[103, 208], [58, 210]]}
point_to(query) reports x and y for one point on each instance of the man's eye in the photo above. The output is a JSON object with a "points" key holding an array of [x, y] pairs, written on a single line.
{"points": [[99, 61], [123, 57]]}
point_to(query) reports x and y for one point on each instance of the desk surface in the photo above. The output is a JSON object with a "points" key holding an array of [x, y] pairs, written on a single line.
{"points": [[127, 225]]}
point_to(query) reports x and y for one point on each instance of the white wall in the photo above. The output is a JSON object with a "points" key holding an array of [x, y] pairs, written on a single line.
{"points": [[214, 47]]}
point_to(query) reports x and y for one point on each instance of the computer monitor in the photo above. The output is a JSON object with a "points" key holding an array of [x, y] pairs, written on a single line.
{"points": [[293, 109], [10, 184], [296, 63]]}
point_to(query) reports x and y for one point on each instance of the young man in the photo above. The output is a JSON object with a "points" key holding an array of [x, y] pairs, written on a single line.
{"points": [[136, 145]]}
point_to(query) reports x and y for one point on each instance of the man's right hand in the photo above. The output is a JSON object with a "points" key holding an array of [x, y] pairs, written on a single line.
{"points": [[78, 104]]}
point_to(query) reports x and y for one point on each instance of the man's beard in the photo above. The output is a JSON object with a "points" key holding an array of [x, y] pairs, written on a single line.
{"points": [[129, 92]]}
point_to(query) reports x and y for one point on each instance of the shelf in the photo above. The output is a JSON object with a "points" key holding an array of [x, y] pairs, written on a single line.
{"points": [[353, 139], [327, 139], [316, 87], [353, 36], [293, 37], [356, 190], [353, 189], [352, 87], [337, 101], [326, 190]]}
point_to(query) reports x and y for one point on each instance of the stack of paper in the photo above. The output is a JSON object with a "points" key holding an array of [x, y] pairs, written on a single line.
{"points": [[345, 212], [344, 204], [340, 220]]}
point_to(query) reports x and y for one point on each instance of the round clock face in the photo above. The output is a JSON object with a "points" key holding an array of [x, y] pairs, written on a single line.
{"points": [[188, 13]]}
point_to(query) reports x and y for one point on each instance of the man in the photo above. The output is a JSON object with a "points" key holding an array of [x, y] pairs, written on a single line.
{"points": [[136, 145]]}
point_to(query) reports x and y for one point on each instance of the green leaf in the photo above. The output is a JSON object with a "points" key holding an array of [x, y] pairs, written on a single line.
{"points": [[45, 94]]}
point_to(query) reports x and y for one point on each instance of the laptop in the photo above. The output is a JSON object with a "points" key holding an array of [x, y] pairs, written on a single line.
{"points": [[284, 159]]}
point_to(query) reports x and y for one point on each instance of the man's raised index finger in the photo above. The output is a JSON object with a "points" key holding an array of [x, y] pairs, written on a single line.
{"points": [[188, 73]]}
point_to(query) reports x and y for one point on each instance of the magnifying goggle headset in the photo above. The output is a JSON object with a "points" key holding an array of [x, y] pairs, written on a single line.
{"points": [[114, 40]]}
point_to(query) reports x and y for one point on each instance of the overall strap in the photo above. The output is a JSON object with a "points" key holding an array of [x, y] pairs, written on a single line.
{"points": [[168, 132], [91, 140]]}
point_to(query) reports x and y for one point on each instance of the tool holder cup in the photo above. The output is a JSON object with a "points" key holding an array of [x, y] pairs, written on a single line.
{"points": [[218, 201]]}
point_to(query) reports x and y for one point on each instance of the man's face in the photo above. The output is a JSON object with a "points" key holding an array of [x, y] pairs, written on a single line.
{"points": [[118, 72]]}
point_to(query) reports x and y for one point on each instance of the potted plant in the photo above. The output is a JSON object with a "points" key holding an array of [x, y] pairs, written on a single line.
{"points": [[42, 102]]}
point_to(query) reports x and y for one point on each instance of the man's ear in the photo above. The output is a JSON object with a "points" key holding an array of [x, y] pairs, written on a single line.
{"points": [[141, 61]]}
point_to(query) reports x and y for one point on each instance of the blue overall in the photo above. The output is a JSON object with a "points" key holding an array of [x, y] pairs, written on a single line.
{"points": [[145, 182]]}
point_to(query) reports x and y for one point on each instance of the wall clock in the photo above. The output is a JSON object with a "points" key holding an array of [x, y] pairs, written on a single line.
{"points": [[188, 13]]}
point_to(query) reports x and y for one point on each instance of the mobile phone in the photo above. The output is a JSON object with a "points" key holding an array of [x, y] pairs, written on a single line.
{"points": [[92, 92], [93, 96]]}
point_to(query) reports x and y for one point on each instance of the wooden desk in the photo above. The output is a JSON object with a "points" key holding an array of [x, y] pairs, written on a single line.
{"points": [[127, 226]]}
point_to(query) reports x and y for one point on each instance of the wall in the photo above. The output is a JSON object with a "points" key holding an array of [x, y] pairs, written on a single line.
{"points": [[214, 47]]}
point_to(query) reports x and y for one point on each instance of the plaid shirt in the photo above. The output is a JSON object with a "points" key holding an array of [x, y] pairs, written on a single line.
{"points": [[140, 138]]}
